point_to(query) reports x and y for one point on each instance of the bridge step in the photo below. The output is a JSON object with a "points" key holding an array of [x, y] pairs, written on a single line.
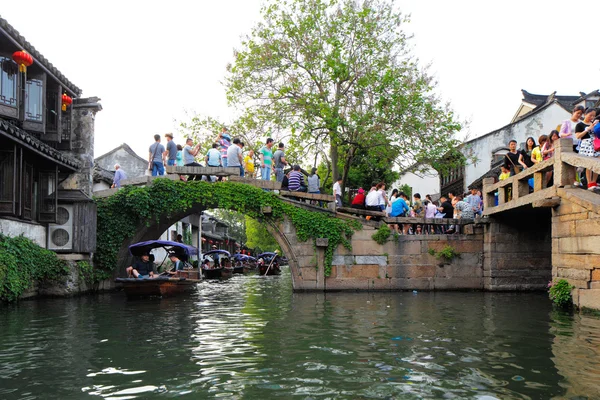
{"points": [[309, 196], [273, 185], [214, 171]]}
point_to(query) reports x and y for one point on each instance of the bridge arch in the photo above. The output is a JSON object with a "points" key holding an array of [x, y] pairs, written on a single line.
{"points": [[136, 214]]}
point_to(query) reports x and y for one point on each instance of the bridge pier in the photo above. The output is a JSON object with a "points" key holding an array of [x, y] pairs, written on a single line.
{"points": [[517, 253], [576, 245]]}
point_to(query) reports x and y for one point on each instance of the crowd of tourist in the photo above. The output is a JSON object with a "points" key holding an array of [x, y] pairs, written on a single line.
{"points": [[398, 204], [583, 128]]}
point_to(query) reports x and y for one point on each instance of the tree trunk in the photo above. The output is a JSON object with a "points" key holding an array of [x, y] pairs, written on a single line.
{"points": [[347, 165], [334, 156]]}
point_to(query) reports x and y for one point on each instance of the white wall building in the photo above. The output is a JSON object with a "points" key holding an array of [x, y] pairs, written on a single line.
{"points": [[536, 115]]}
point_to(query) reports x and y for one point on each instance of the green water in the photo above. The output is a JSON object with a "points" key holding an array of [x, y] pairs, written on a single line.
{"points": [[252, 338]]}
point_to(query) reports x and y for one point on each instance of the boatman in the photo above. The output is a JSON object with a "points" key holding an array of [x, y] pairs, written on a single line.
{"points": [[143, 268]]}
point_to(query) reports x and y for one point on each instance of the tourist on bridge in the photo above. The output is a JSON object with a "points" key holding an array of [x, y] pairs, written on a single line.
{"points": [[224, 140], [156, 159], [189, 155], [584, 131], [119, 176], [526, 153], [446, 210], [171, 155], [475, 201], [179, 157], [266, 160], [512, 159], [249, 164], [143, 268], [567, 129], [536, 154], [234, 155], [359, 200], [314, 182], [296, 180], [279, 162], [337, 192], [213, 159]]}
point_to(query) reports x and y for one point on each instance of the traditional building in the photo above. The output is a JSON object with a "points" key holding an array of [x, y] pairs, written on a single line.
{"points": [[46, 151], [536, 115], [130, 162]]}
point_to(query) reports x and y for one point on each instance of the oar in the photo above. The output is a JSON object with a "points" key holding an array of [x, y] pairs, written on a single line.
{"points": [[269, 267]]}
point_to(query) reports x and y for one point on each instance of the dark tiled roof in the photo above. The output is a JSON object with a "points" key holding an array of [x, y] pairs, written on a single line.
{"points": [[37, 145], [125, 147], [541, 99], [492, 173], [73, 195], [103, 175], [25, 45]]}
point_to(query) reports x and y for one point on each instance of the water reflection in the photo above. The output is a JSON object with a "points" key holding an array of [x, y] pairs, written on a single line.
{"points": [[251, 337]]}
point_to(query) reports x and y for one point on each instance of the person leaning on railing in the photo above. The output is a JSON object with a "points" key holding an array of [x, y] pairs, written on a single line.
{"points": [[585, 132]]}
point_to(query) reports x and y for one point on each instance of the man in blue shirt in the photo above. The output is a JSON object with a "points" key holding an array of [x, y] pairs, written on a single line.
{"points": [[171, 149], [119, 176], [156, 157]]}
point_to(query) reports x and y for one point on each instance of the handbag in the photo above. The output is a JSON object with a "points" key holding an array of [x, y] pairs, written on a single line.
{"points": [[596, 144]]}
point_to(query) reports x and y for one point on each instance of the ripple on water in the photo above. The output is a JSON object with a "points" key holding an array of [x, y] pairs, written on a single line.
{"points": [[252, 338]]}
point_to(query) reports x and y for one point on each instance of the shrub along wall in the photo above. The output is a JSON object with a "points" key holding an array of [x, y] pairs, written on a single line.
{"points": [[131, 207], [23, 263]]}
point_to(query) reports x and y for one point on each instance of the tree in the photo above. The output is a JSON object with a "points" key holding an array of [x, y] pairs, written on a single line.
{"points": [[339, 74], [258, 237], [236, 222]]}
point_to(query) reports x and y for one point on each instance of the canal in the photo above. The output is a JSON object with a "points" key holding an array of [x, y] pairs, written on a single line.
{"points": [[252, 338]]}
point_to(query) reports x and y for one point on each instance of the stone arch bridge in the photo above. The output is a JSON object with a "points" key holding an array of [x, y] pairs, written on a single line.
{"points": [[545, 231]]}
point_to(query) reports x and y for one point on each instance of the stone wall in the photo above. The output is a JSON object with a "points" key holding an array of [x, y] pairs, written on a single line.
{"points": [[517, 252], [30, 230], [401, 264], [576, 245], [71, 285], [82, 141]]}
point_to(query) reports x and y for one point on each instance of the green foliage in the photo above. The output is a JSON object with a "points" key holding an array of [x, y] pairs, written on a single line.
{"points": [[22, 262], [406, 189], [340, 76], [120, 214], [383, 234], [259, 238], [560, 293], [187, 236], [236, 222], [448, 253]]}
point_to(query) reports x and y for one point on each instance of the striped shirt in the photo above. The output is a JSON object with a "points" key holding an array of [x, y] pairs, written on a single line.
{"points": [[295, 180]]}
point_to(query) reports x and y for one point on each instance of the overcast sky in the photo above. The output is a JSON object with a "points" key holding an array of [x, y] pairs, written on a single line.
{"points": [[151, 61]]}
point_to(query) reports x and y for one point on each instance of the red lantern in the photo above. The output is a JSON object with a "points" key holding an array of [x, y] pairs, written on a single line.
{"points": [[23, 59], [66, 101]]}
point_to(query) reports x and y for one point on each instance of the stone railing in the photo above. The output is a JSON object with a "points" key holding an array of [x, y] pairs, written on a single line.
{"points": [[516, 191]]}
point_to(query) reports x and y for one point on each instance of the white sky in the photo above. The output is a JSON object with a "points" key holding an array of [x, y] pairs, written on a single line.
{"points": [[150, 61]]}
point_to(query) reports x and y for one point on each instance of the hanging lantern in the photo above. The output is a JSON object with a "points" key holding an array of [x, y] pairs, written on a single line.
{"points": [[66, 101], [23, 59]]}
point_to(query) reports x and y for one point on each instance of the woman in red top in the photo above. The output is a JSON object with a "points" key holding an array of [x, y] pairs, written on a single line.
{"points": [[359, 199]]}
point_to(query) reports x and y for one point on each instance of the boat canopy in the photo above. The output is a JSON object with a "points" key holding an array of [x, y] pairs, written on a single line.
{"points": [[183, 251], [243, 257], [219, 252], [267, 254]]}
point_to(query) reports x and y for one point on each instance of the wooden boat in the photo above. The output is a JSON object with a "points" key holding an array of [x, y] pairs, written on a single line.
{"points": [[268, 264], [163, 285], [216, 264], [243, 263]]}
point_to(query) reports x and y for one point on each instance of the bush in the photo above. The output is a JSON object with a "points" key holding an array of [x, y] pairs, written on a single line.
{"points": [[22, 262], [383, 234], [560, 292]]}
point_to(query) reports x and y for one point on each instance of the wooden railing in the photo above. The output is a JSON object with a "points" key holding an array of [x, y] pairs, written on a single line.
{"points": [[516, 192]]}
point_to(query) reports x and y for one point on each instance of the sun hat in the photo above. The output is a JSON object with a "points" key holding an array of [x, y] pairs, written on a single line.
{"points": [[361, 190], [169, 135]]}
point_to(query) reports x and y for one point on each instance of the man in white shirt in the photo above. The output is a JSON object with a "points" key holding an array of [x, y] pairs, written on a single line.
{"points": [[234, 155], [337, 192]]}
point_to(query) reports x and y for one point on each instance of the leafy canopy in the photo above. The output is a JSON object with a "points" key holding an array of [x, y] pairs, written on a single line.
{"points": [[340, 74]]}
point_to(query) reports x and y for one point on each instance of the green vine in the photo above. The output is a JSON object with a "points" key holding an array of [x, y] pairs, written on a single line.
{"points": [[382, 235], [448, 253], [120, 214], [22, 262], [560, 292]]}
